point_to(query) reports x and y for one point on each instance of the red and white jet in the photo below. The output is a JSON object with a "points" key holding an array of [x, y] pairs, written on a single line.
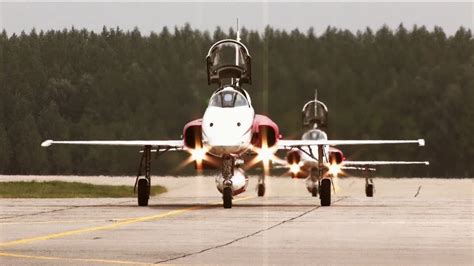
{"points": [[304, 162], [228, 131]]}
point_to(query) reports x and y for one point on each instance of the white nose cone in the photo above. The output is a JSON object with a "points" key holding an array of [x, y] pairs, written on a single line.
{"points": [[227, 130]]}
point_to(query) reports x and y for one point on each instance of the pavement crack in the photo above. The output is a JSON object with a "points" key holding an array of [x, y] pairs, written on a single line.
{"points": [[244, 237], [52, 211], [38, 213], [418, 192]]}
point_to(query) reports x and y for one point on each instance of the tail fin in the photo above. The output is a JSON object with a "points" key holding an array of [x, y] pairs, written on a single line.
{"points": [[238, 31], [315, 101], [236, 46]]}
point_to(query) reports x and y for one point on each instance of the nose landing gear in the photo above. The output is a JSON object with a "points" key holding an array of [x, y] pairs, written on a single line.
{"points": [[324, 184], [314, 183], [227, 172]]}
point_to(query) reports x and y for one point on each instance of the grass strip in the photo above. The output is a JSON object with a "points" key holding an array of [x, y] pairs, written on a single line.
{"points": [[60, 189]]}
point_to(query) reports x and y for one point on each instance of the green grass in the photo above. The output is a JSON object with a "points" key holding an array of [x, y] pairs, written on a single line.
{"points": [[59, 189]]}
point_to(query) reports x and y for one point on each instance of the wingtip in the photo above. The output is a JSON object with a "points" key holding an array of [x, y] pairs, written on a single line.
{"points": [[47, 143], [421, 142]]}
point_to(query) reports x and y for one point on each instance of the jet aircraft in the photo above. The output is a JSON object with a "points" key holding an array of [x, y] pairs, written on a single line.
{"points": [[229, 131], [303, 164]]}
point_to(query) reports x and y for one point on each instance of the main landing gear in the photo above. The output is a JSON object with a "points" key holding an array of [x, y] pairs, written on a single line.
{"points": [[369, 183], [143, 183], [322, 186], [227, 172], [318, 183]]}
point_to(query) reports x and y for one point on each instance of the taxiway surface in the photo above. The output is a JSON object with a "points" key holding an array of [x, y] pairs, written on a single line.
{"points": [[188, 225]]}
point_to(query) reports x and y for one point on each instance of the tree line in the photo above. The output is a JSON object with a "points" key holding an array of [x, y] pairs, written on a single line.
{"points": [[383, 84]]}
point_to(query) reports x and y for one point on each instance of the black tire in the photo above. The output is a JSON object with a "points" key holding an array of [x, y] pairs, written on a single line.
{"points": [[369, 190], [325, 192], [261, 190], [143, 192], [314, 191], [227, 198]]}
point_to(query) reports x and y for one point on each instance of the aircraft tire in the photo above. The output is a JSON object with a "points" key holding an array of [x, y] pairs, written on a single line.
{"points": [[369, 190], [261, 190], [325, 192], [227, 197], [143, 192]]}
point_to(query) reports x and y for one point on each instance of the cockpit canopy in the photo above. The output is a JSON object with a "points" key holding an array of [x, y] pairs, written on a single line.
{"points": [[315, 134], [315, 113], [228, 98], [226, 60]]}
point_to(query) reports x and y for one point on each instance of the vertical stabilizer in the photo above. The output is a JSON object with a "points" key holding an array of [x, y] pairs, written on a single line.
{"points": [[316, 102], [238, 31], [237, 47], [237, 55]]}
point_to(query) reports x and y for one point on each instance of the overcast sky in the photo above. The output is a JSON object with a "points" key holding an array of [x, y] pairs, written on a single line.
{"points": [[15, 17]]}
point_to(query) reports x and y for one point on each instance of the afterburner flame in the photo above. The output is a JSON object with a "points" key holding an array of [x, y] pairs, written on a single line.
{"points": [[294, 168], [265, 154], [198, 154]]}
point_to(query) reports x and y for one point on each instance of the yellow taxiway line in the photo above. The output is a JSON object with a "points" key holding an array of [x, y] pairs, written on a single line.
{"points": [[106, 227], [21, 256]]}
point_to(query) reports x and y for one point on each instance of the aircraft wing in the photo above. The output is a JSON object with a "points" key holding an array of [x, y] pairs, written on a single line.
{"points": [[289, 144], [160, 144], [358, 168], [366, 163]]}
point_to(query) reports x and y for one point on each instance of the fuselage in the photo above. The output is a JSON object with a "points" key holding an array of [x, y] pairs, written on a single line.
{"points": [[227, 124], [312, 161]]}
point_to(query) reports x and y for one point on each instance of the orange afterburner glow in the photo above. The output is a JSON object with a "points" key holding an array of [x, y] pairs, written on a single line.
{"points": [[198, 154], [265, 154], [334, 169], [295, 169]]}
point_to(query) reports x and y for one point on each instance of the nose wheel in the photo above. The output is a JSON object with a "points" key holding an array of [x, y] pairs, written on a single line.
{"points": [[227, 172], [325, 192], [227, 197]]}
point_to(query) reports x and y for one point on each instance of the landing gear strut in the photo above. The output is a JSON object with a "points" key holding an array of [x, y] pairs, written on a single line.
{"points": [[314, 182], [143, 183], [324, 184], [227, 172]]}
